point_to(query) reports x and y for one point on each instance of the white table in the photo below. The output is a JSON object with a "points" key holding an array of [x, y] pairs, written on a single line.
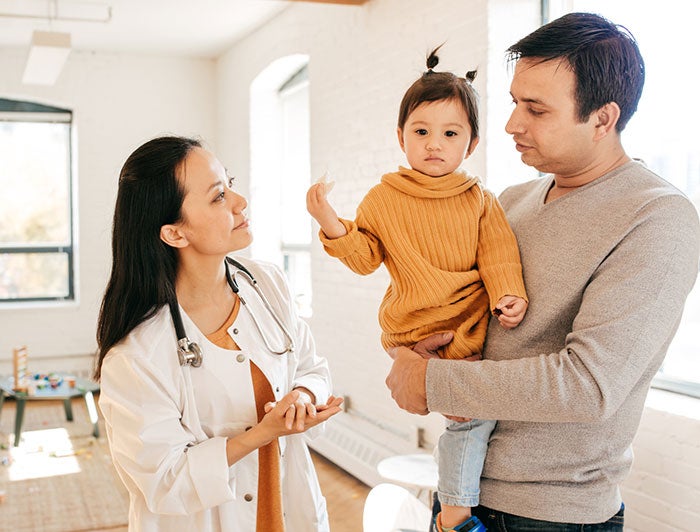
{"points": [[415, 471]]}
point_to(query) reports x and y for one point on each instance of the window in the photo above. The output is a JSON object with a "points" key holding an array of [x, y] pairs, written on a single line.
{"points": [[36, 243], [280, 172], [296, 230], [662, 134]]}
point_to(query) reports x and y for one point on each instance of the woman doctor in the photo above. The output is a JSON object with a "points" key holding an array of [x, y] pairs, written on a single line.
{"points": [[212, 442]]}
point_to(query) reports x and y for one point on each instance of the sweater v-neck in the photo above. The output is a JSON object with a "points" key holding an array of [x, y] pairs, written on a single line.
{"points": [[548, 182]]}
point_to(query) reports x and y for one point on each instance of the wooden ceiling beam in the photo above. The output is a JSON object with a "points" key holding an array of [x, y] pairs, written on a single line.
{"points": [[344, 2]]}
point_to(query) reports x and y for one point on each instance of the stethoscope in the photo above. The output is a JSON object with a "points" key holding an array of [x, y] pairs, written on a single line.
{"points": [[189, 353]]}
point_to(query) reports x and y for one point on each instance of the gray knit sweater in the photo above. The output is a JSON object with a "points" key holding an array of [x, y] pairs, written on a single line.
{"points": [[607, 268]]}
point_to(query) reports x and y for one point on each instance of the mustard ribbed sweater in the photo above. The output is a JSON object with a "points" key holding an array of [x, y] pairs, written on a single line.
{"points": [[449, 251]]}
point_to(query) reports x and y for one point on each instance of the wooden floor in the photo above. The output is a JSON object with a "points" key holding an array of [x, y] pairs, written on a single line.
{"points": [[345, 495]]}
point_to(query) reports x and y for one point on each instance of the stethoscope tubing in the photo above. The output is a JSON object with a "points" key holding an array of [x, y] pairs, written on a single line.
{"points": [[189, 353]]}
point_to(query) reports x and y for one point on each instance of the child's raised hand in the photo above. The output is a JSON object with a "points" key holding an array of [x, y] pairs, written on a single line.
{"points": [[316, 198], [510, 311], [327, 185], [318, 206]]}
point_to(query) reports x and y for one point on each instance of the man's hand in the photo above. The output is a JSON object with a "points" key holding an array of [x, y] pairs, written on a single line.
{"points": [[428, 347], [406, 380]]}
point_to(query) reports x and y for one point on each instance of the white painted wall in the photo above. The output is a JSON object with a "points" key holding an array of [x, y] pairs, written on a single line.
{"points": [[119, 101]]}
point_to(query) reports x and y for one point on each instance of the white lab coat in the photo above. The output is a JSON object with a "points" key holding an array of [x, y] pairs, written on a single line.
{"points": [[167, 425]]}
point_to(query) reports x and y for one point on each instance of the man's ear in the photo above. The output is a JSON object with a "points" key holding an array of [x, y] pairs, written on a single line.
{"points": [[172, 235], [472, 146], [399, 133], [606, 119]]}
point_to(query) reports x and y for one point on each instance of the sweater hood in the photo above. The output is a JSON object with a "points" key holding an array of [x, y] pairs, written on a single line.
{"points": [[419, 185]]}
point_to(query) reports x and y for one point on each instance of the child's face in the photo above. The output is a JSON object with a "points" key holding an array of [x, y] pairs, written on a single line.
{"points": [[436, 137]]}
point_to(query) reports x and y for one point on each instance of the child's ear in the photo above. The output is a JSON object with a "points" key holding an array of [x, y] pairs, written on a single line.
{"points": [[399, 133], [472, 146], [172, 235]]}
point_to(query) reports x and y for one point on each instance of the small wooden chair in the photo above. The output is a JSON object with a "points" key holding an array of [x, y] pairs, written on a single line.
{"points": [[19, 365]]}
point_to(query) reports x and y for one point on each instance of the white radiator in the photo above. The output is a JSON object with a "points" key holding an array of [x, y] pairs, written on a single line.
{"points": [[357, 444]]}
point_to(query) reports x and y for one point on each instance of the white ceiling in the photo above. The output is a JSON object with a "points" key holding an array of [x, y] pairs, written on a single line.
{"points": [[196, 28]]}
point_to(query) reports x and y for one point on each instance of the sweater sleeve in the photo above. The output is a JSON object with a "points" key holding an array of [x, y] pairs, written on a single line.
{"points": [[628, 314], [360, 249], [498, 258]]}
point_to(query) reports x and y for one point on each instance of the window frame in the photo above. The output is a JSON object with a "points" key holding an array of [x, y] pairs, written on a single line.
{"points": [[25, 112]]}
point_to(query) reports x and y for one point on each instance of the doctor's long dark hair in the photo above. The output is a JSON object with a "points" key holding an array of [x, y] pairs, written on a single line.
{"points": [[143, 266]]}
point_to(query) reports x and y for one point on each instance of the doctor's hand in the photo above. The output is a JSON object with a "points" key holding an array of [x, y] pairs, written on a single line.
{"points": [[406, 380], [303, 407], [279, 420], [296, 413]]}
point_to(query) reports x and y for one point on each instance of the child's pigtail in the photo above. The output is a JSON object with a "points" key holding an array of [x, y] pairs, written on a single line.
{"points": [[433, 59]]}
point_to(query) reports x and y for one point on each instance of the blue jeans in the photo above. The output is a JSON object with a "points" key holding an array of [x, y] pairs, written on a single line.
{"points": [[461, 455], [496, 521]]}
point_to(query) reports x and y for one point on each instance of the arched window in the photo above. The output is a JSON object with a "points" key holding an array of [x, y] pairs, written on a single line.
{"points": [[280, 172]]}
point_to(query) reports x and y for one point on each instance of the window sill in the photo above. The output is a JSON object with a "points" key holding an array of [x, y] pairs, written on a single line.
{"points": [[673, 403]]}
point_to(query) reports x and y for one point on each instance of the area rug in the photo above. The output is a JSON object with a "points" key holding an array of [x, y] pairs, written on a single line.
{"points": [[60, 478]]}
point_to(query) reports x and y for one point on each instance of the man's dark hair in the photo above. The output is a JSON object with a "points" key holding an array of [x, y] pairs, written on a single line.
{"points": [[603, 56]]}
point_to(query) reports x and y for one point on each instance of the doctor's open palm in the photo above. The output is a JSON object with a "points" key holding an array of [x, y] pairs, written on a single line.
{"points": [[290, 415]]}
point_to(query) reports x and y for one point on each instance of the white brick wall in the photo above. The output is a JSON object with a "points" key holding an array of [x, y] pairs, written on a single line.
{"points": [[663, 489], [361, 62]]}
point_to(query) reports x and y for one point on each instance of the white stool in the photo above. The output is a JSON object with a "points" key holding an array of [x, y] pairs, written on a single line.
{"points": [[418, 472], [391, 508]]}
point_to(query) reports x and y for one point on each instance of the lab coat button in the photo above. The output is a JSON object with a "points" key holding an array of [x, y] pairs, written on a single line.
{"points": [[235, 331], [240, 357], [248, 497], [277, 389]]}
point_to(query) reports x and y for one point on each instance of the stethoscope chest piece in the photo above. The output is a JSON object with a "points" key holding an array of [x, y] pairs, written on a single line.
{"points": [[189, 353]]}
